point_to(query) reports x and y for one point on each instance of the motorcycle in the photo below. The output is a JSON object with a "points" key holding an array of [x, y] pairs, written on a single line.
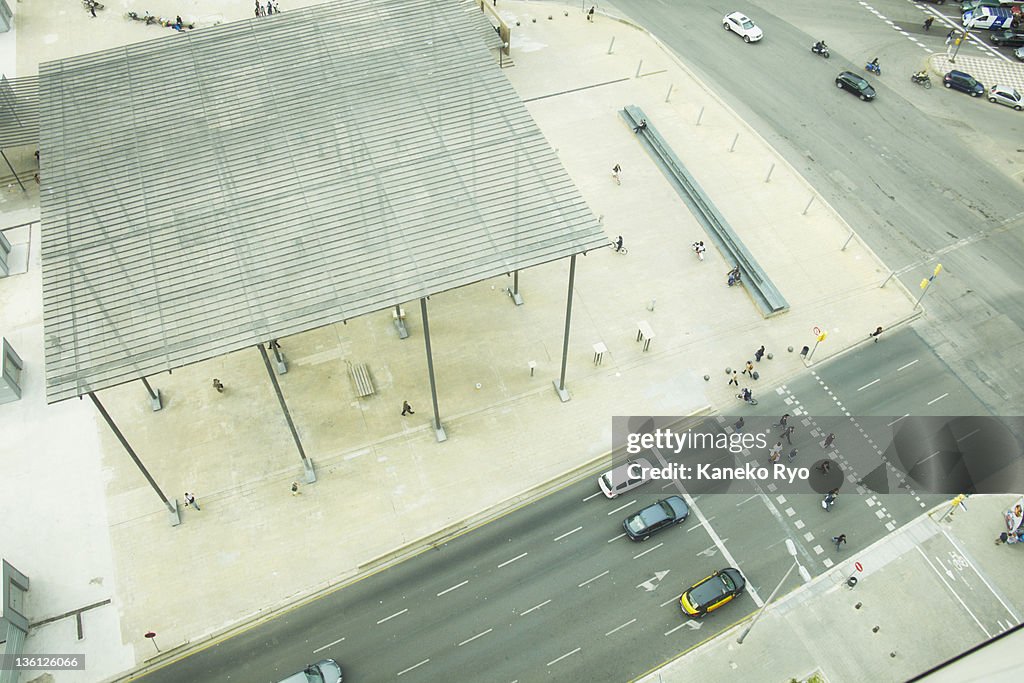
{"points": [[921, 79], [873, 68], [823, 51]]}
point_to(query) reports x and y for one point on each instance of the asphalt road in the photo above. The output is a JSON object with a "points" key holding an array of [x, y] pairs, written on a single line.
{"points": [[924, 176]]}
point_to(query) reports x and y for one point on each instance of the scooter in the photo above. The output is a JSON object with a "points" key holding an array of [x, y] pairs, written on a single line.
{"points": [[873, 68], [921, 79], [823, 51]]}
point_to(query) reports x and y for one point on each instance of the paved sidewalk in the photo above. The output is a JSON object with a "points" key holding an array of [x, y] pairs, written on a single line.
{"points": [[245, 553], [903, 617]]}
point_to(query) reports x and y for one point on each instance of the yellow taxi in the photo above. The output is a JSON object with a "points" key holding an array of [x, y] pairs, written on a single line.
{"points": [[712, 592]]}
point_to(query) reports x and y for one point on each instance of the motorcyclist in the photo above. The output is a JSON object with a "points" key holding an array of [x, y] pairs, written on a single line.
{"points": [[820, 46], [874, 63], [921, 75]]}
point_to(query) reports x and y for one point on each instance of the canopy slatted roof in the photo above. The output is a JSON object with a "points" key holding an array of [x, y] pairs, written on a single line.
{"points": [[19, 111], [209, 190]]}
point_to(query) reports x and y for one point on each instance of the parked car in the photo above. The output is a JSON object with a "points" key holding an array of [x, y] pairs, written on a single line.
{"points": [[738, 23], [964, 82], [668, 512], [324, 671], [617, 481], [1004, 94], [712, 592], [858, 85], [1006, 38], [1019, 53]]}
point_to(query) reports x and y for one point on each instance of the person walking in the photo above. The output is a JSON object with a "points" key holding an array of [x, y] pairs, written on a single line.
{"points": [[735, 379], [782, 421], [775, 452], [788, 432], [876, 333], [928, 23], [829, 440], [295, 489], [191, 500], [839, 540], [698, 249], [218, 385], [749, 369], [407, 409], [616, 170], [824, 467], [640, 126], [590, 14], [792, 455], [738, 426], [830, 499], [759, 354]]}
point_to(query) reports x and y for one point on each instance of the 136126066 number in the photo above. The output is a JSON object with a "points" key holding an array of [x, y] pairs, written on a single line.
{"points": [[41, 662]]}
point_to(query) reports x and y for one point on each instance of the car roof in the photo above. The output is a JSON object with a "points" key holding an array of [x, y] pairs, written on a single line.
{"points": [[964, 74], [738, 16]]}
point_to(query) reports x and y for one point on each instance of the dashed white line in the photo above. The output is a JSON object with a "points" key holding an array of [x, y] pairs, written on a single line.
{"points": [[396, 614], [929, 457], [470, 640], [320, 649], [593, 579], [897, 420], [568, 533], [869, 384], [448, 590], [904, 367], [936, 400], [593, 495], [669, 602], [535, 607], [649, 550], [618, 627], [517, 557], [405, 671], [567, 654], [673, 630], [968, 435], [622, 507]]}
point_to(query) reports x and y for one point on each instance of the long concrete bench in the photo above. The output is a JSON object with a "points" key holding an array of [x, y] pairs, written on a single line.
{"points": [[361, 376], [761, 289]]}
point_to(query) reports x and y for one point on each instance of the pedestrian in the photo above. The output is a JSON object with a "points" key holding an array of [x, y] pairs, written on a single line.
{"points": [[878, 331], [259, 9], [407, 409], [191, 500], [825, 466], [759, 354], [839, 540], [830, 499], [295, 489], [749, 369], [92, 9], [218, 385], [747, 395], [782, 421], [277, 10], [616, 170], [775, 452], [829, 440], [270, 8], [735, 379], [928, 23], [618, 243], [590, 14], [698, 249], [788, 432], [738, 425], [272, 344], [792, 455]]}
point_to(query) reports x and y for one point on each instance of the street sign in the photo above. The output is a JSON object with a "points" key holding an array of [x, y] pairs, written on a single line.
{"points": [[858, 566]]}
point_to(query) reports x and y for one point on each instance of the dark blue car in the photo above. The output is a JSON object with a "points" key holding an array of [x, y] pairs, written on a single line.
{"points": [[958, 80]]}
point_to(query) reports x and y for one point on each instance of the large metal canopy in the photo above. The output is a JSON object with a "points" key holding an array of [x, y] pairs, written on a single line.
{"points": [[214, 189]]}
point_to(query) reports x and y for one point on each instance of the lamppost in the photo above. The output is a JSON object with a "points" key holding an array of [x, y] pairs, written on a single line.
{"points": [[791, 549], [925, 283]]}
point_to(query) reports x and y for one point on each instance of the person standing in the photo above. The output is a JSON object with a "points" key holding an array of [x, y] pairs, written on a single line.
{"points": [[218, 385], [759, 354], [407, 409], [738, 426], [191, 500], [616, 170], [590, 14], [829, 440], [295, 489], [792, 455], [824, 467], [839, 540]]}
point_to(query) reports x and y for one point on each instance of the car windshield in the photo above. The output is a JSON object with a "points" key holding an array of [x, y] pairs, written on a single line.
{"points": [[861, 84], [747, 24]]}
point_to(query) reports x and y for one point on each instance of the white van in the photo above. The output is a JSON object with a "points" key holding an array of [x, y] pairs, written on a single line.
{"points": [[617, 481], [989, 18]]}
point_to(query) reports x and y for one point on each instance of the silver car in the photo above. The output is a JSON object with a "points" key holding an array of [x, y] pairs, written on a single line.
{"points": [[1005, 94], [324, 671]]}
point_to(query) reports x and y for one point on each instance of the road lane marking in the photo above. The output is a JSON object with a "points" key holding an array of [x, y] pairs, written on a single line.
{"points": [[622, 507], [686, 624], [869, 384], [936, 400], [953, 592], [470, 640], [396, 614], [568, 533], [745, 500], [517, 557], [928, 458], [616, 538], [319, 649], [523, 614], [965, 436], [605, 572], [669, 602], [904, 367], [897, 420], [405, 671], [618, 627], [593, 495], [567, 654], [448, 590], [1016, 619], [649, 550]]}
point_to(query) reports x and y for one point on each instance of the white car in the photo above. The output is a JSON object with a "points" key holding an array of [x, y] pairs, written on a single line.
{"points": [[738, 23], [1004, 94]]}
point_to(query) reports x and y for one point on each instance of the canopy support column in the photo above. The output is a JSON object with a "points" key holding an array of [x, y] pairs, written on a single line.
{"points": [[438, 429], [13, 172], [307, 464], [517, 298], [154, 396], [563, 393]]}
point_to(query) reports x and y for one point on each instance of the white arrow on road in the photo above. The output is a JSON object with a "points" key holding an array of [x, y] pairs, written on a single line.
{"points": [[652, 583]]}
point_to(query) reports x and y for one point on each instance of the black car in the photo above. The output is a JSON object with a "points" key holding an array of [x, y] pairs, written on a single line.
{"points": [[666, 512], [1007, 38], [958, 80], [859, 86]]}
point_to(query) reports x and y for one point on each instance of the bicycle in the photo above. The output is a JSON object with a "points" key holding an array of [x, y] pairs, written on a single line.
{"points": [[619, 250], [752, 401]]}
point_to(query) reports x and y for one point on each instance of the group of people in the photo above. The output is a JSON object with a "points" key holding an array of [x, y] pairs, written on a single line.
{"points": [[265, 11]]}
